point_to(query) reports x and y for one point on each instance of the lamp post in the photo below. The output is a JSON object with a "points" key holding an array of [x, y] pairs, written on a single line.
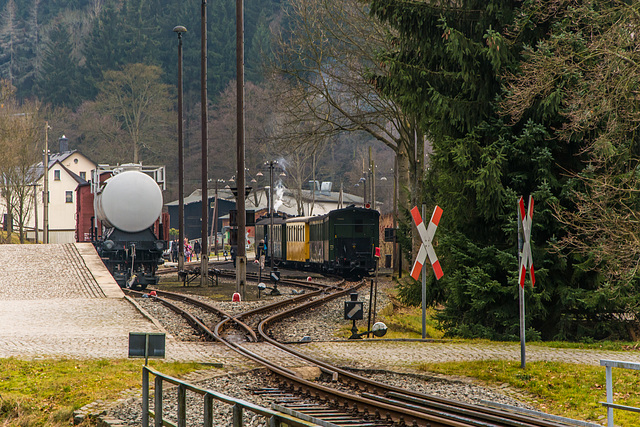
{"points": [[363, 181], [45, 193], [215, 220], [271, 164], [179, 30], [35, 210]]}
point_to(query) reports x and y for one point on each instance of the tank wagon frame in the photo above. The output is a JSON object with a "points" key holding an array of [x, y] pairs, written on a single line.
{"points": [[127, 205]]}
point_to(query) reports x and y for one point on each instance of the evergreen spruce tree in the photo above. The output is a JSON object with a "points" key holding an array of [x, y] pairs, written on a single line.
{"points": [[448, 69], [58, 83], [102, 50], [258, 50]]}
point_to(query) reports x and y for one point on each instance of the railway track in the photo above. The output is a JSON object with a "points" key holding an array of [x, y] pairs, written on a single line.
{"points": [[343, 398]]}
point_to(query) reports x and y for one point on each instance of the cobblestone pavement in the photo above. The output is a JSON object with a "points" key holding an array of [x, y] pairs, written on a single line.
{"points": [[408, 355], [58, 300]]}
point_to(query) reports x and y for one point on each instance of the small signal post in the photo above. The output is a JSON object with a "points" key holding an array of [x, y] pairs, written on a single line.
{"points": [[426, 249]]}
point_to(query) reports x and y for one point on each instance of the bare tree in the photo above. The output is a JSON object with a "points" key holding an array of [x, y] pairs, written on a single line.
{"points": [[138, 100], [18, 156], [323, 72]]}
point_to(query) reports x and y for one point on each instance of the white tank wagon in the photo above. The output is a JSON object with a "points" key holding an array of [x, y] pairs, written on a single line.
{"points": [[128, 204]]}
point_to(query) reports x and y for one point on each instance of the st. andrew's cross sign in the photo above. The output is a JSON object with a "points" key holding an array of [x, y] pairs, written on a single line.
{"points": [[526, 259], [426, 248]]}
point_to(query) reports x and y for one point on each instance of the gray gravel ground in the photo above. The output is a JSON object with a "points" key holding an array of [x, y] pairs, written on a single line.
{"points": [[322, 325], [241, 385]]}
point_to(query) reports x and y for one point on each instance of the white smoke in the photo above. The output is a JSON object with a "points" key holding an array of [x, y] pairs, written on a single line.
{"points": [[278, 195], [279, 188]]}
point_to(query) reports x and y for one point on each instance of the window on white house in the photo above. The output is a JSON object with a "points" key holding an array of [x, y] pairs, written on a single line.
{"points": [[69, 196], [83, 175], [56, 175]]}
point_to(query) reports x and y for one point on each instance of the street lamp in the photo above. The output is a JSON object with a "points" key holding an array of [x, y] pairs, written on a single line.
{"points": [[179, 30], [35, 209], [214, 227], [45, 193], [363, 180], [271, 164]]}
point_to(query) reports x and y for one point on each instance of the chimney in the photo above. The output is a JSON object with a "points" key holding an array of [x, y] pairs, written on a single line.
{"points": [[64, 144]]}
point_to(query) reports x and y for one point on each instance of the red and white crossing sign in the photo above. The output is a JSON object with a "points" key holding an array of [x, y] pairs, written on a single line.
{"points": [[426, 234], [526, 259]]}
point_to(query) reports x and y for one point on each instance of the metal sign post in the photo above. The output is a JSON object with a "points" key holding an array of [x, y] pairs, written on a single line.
{"points": [[426, 234], [525, 261], [523, 357], [424, 289]]}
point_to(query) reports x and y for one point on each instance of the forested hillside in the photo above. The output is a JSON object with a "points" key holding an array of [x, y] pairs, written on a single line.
{"points": [[48, 44]]}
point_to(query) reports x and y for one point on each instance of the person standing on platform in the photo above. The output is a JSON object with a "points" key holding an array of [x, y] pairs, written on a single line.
{"points": [[196, 249], [187, 250], [174, 251]]}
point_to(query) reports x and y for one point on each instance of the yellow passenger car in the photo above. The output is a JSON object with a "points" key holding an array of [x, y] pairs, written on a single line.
{"points": [[297, 230]]}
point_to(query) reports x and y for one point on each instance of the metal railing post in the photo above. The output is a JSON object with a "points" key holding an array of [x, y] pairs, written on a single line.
{"points": [[182, 406], [609, 365], [208, 410], [609, 396], [158, 402], [145, 397], [273, 417], [237, 414]]}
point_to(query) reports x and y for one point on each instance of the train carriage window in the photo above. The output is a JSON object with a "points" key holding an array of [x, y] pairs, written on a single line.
{"points": [[359, 227]]}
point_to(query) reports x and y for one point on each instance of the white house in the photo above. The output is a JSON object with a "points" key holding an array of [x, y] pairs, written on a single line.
{"points": [[66, 171]]}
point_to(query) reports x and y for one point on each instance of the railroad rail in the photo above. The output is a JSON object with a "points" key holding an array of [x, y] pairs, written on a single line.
{"points": [[371, 402]]}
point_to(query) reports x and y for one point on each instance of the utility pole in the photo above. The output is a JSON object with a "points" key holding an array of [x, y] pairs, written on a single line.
{"points": [[241, 253], [204, 264]]}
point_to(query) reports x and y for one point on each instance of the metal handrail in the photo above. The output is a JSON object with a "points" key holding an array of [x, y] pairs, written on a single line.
{"points": [[275, 418], [609, 364]]}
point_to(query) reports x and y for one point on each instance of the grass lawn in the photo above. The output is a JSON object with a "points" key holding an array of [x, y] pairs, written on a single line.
{"points": [[46, 392], [564, 389]]}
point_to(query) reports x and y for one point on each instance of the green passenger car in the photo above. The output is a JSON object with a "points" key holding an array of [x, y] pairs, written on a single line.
{"points": [[344, 241]]}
